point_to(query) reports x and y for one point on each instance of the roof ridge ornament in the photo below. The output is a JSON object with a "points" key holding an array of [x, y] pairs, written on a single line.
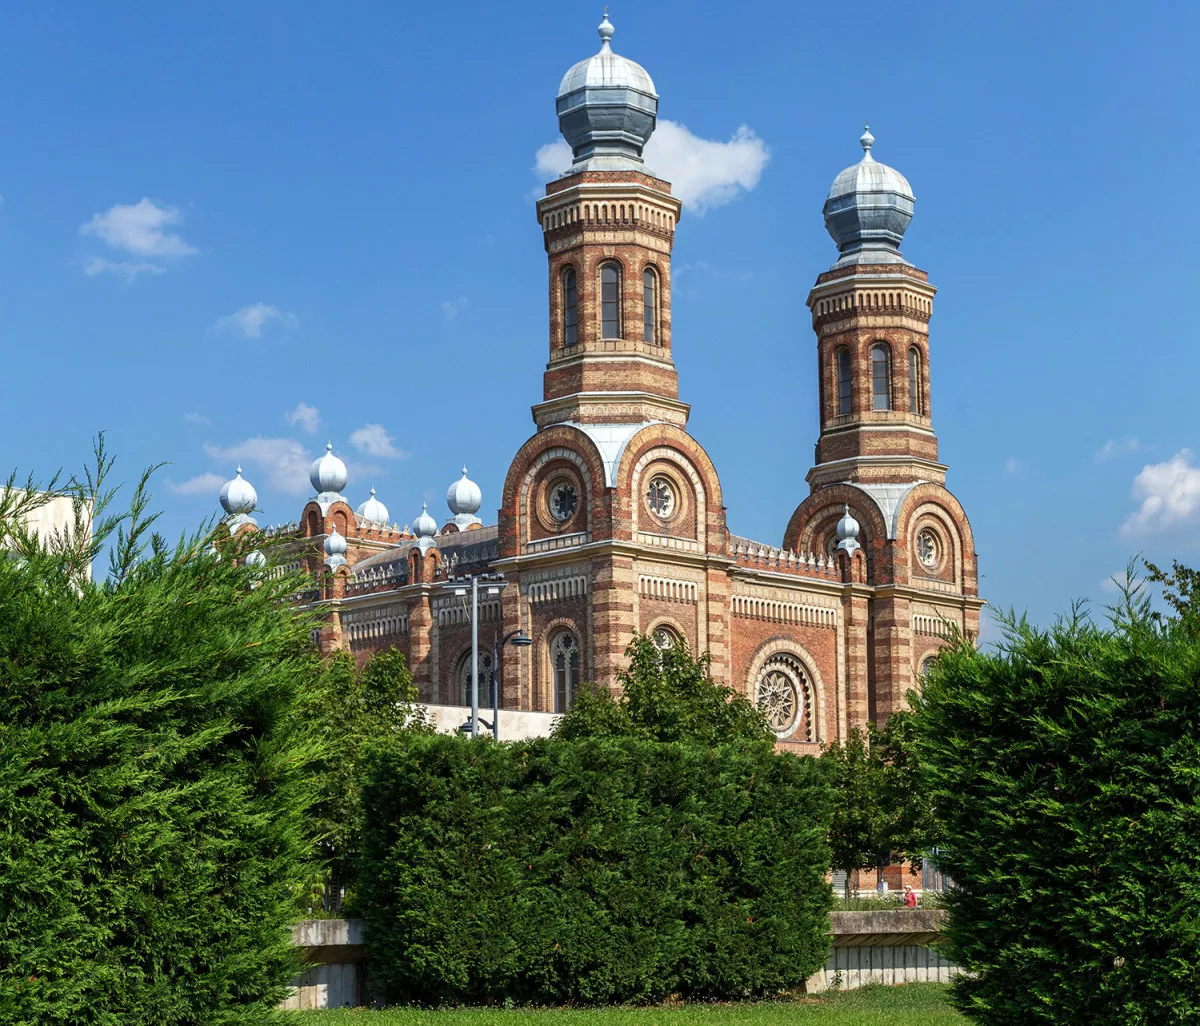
{"points": [[605, 30], [867, 140]]}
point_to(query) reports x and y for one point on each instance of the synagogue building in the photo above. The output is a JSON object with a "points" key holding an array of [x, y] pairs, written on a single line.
{"points": [[613, 520]]}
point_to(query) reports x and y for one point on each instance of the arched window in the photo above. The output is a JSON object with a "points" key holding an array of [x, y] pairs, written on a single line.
{"points": [[881, 378], [665, 636], [649, 306], [610, 301], [914, 381], [485, 678], [844, 383], [570, 307], [564, 667]]}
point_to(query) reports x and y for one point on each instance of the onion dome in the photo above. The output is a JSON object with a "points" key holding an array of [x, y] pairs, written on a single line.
{"points": [[373, 510], [238, 495], [868, 210], [425, 528], [328, 474], [607, 109], [335, 549], [256, 560], [464, 499], [847, 532]]}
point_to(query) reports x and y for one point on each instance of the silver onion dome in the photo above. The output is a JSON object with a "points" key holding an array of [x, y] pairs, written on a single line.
{"points": [[373, 510], [335, 548], [256, 560], [847, 532], [328, 473], [463, 498], [425, 528], [607, 109], [238, 495], [868, 210]]}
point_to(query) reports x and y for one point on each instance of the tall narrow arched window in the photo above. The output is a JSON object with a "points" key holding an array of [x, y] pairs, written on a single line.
{"points": [[881, 377], [610, 301], [844, 383], [570, 307], [649, 306], [564, 668], [915, 397]]}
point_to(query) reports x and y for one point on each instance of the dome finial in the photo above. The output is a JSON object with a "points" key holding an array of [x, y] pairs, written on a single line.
{"points": [[605, 31], [867, 140]]}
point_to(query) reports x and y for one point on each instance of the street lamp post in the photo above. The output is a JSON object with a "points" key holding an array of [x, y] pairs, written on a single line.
{"points": [[521, 640]]}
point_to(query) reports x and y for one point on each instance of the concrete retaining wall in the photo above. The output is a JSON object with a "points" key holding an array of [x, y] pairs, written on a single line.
{"points": [[868, 947]]}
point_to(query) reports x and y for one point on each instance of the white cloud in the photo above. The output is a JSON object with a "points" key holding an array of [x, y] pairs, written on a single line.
{"points": [[250, 320], [1011, 466], [1169, 493], [373, 440], [1118, 447], [202, 484], [284, 462], [451, 308], [308, 417], [196, 418], [123, 268], [139, 229], [703, 172]]}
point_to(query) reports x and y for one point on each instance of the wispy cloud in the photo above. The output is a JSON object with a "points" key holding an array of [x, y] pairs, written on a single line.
{"points": [[1118, 447], [373, 440], [307, 417], [250, 320], [1170, 496], [138, 229], [703, 173], [1011, 465], [451, 308], [282, 462], [201, 484], [196, 418]]}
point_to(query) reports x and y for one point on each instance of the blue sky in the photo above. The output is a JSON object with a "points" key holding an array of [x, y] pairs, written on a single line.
{"points": [[233, 231]]}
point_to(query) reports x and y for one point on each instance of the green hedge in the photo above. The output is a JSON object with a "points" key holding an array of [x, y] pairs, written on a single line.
{"points": [[592, 871], [1066, 772], [153, 786]]}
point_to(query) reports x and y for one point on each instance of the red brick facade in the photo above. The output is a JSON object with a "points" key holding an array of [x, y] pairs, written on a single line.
{"points": [[612, 518]]}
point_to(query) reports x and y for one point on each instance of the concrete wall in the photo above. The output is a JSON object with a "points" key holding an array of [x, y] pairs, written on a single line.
{"points": [[868, 947], [515, 725]]}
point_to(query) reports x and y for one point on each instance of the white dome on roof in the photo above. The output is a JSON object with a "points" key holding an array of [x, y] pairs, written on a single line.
{"points": [[464, 495], [373, 510], [328, 473], [868, 210], [425, 526], [606, 70], [847, 532], [335, 548], [238, 495]]}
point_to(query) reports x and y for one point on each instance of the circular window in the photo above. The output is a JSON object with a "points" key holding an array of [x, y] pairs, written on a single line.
{"points": [[660, 497], [782, 695], [563, 501], [665, 637], [929, 549]]}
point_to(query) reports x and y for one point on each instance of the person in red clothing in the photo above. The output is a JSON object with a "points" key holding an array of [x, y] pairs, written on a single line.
{"points": [[910, 897]]}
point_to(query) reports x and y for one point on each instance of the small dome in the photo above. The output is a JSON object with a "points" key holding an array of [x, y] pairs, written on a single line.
{"points": [[335, 543], [373, 510], [328, 473], [464, 496], [238, 496], [847, 532], [607, 109], [425, 526], [868, 210], [255, 559]]}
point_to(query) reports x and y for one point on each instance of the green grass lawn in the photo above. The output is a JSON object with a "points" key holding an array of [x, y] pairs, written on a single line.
{"points": [[916, 1004]]}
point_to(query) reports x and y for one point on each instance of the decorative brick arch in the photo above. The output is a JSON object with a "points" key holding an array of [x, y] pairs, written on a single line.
{"points": [[814, 510], [559, 442], [780, 645], [544, 671], [935, 500]]}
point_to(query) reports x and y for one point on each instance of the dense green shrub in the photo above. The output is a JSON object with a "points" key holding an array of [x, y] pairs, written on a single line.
{"points": [[596, 870], [1066, 770], [153, 778]]}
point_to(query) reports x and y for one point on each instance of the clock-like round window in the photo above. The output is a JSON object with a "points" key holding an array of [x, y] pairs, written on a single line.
{"points": [[660, 497], [665, 637], [929, 550], [783, 695], [563, 501]]}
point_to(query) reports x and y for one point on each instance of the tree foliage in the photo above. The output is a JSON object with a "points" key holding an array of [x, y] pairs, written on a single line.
{"points": [[666, 695], [882, 810], [592, 871], [350, 708], [153, 772], [1064, 767]]}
